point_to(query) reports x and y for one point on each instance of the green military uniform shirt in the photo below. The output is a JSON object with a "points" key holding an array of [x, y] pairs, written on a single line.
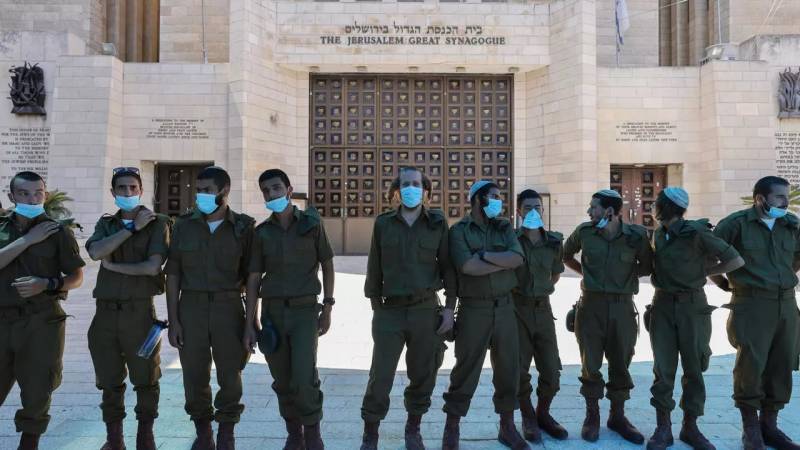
{"points": [[210, 262], [150, 240], [769, 256], [290, 259], [468, 238], [56, 255], [683, 252], [410, 260], [611, 267], [542, 261]]}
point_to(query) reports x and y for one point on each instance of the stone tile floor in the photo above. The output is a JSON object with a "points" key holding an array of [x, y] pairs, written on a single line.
{"points": [[344, 365]]}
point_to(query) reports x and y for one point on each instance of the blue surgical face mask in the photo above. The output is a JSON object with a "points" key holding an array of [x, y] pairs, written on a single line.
{"points": [[494, 208], [206, 203], [29, 211], [776, 213], [277, 204], [126, 203], [533, 220], [602, 223], [411, 196]]}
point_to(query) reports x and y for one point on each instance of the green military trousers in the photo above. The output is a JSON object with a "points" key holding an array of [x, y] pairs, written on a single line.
{"points": [[763, 328], [213, 327], [31, 351], [293, 365], [395, 325], [606, 325], [680, 327], [537, 342], [117, 331], [485, 324]]}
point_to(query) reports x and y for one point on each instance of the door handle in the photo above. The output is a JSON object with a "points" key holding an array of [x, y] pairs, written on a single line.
{"points": [[630, 215]]}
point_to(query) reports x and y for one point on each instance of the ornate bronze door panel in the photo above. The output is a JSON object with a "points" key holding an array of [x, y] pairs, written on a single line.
{"points": [[639, 187], [175, 187], [457, 129]]}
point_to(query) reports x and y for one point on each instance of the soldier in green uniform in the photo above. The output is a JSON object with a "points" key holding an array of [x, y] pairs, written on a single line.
{"points": [[763, 324], [132, 245], [206, 272], [408, 263], [536, 280], [288, 250], [613, 257], [485, 251], [679, 321], [39, 262]]}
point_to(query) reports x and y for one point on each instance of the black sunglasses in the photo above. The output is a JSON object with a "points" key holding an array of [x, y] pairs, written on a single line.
{"points": [[126, 169]]}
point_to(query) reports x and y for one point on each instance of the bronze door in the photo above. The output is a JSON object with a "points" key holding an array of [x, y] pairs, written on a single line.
{"points": [[456, 129], [175, 188], [639, 187]]}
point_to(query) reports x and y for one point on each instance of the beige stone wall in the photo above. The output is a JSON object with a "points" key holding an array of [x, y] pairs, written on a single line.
{"points": [[83, 18], [561, 120], [181, 33], [301, 23], [747, 18], [641, 39], [87, 132], [268, 112]]}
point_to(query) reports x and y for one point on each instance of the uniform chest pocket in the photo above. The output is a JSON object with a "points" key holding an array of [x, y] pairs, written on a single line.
{"points": [[544, 259], [190, 254], [390, 249], [753, 247], [428, 246], [475, 242], [302, 249], [228, 258], [627, 255]]}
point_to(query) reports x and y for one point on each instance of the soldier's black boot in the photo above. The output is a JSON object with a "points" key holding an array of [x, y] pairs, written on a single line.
{"points": [[546, 421], [369, 441], [619, 423], [692, 436], [205, 435], [313, 437], [114, 439], [294, 437], [590, 431], [751, 430], [772, 435], [412, 436], [662, 437], [28, 442], [225, 438], [144, 435], [508, 434], [530, 424], [451, 432]]}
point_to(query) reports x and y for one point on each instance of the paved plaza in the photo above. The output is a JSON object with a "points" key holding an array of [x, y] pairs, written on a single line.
{"points": [[344, 356]]}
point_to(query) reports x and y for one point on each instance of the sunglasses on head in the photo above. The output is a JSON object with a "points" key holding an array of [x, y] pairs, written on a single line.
{"points": [[126, 169]]}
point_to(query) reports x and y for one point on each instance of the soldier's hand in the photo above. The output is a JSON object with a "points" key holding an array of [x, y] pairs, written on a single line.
{"points": [[143, 217], [176, 335], [448, 320], [30, 286], [324, 320], [41, 231], [250, 339]]}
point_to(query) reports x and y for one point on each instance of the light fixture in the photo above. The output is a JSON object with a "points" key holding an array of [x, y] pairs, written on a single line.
{"points": [[461, 69], [109, 49], [513, 69], [313, 68], [413, 69], [361, 68]]}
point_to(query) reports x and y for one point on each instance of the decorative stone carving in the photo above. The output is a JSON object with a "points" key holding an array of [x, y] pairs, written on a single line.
{"points": [[27, 90], [789, 94]]}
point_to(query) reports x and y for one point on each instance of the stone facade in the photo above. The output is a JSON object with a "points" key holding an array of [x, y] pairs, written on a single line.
{"points": [[248, 109]]}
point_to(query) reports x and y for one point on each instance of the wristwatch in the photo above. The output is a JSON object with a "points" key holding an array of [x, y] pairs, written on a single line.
{"points": [[328, 301]]}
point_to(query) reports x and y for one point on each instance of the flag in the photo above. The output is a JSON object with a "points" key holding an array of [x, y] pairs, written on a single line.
{"points": [[621, 19]]}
